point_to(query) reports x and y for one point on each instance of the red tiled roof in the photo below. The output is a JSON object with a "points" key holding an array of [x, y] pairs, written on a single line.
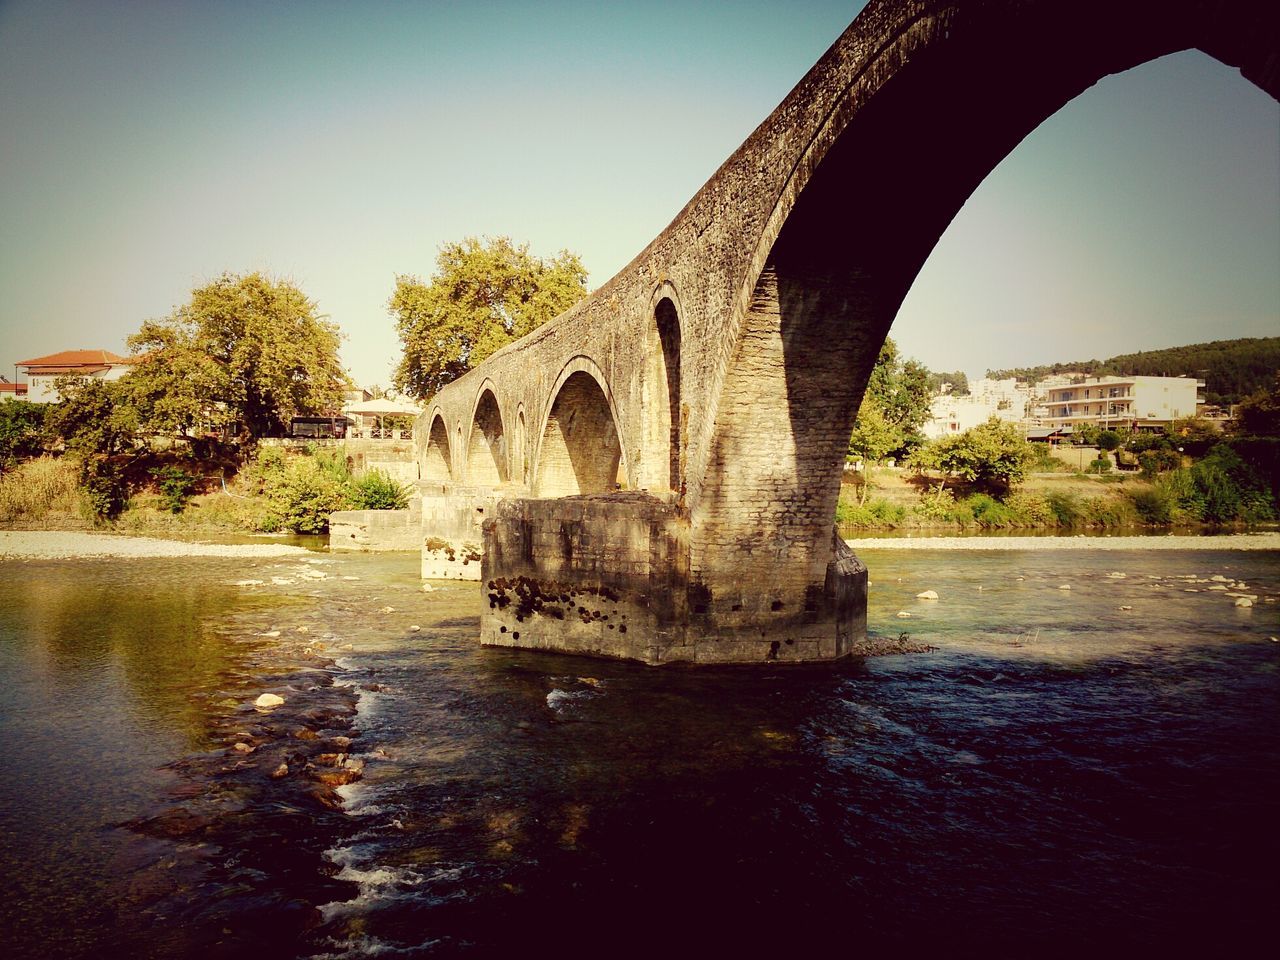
{"points": [[76, 358], [17, 389], [60, 371]]}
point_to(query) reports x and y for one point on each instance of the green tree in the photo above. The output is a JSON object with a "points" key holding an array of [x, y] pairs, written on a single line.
{"points": [[248, 350], [894, 408], [21, 425], [93, 418], [484, 295], [993, 455], [1259, 414], [959, 381]]}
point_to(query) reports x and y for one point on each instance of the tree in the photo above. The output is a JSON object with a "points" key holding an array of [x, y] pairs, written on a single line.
{"points": [[959, 381], [894, 408], [247, 350], [94, 418], [993, 455], [1259, 414], [21, 422], [484, 295]]}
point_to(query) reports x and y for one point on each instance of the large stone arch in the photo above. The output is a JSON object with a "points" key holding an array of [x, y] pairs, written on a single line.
{"points": [[486, 463], [580, 448], [942, 93], [437, 459]]}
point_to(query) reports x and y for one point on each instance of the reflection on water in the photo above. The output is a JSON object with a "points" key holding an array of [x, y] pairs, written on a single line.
{"points": [[1085, 766]]}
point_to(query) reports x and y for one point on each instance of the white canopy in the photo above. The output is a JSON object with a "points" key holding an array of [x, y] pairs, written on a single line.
{"points": [[383, 407]]}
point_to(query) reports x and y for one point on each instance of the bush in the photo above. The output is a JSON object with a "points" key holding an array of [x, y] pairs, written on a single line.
{"points": [[301, 494], [1157, 460], [989, 512], [1154, 505], [1100, 464], [21, 423], [1066, 508], [105, 487], [377, 491], [176, 487], [1032, 510], [1109, 512], [877, 513]]}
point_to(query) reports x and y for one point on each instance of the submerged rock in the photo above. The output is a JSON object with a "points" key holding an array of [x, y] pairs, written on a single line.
{"points": [[280, 771], [1243, 602], [927, 595]]}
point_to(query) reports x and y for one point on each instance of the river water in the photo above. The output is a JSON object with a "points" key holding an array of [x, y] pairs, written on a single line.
{"points": [[1095, 767]]}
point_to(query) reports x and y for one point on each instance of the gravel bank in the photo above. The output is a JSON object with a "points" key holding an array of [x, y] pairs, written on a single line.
{"points": [[1242, 541], [56, 545]]}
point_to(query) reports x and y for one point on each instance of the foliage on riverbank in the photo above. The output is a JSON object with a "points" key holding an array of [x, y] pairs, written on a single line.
{"points": [[1234, 484], [275, 492]]}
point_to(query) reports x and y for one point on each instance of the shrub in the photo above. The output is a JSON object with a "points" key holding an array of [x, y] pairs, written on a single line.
{"points": [[1065, 508], [1154, 505], [1100, 464], [1032, 510], [105, 487], [989, 512], [21, 423], [38, 488], [301, 494], [877, 513], [377, 491], [1109, 512], [176, 487]]}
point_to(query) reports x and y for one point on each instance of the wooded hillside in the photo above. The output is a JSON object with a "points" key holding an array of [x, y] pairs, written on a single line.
{"points": [[1231, 369]]}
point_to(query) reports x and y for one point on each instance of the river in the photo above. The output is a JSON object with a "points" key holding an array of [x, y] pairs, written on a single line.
{"points": [[1093, 767]]}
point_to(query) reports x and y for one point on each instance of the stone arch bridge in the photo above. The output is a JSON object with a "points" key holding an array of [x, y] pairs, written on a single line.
{"points": [[658, 467]]}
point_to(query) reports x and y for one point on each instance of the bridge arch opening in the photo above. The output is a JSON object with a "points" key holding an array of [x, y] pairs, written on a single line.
{"points": [[486, 453], [521, 453], [895, 159], [663, 426], [580, 451], [437, 464]]}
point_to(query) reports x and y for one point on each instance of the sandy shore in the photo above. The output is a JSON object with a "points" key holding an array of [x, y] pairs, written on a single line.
{"points": [[1243, 541], [58, 545]]}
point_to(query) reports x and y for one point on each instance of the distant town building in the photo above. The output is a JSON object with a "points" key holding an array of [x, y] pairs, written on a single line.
{"points": [[1003, 399], [1131, 402], [43, 372]]}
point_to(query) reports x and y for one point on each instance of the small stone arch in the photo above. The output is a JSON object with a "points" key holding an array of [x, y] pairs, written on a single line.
{"points": [[520, 449], [437, 459], [580, 449], [664, 420], [487, 446]]}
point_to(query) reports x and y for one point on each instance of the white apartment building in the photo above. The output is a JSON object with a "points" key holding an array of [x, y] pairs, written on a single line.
{"points": [[1003, 399], [1130, 402], [43, 372]]}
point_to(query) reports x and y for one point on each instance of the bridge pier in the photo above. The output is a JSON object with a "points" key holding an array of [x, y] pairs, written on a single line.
{"points": [[608, 575]]}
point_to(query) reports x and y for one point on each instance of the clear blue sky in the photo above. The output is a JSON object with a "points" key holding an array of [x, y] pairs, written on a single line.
{"points": [[147, 147]]}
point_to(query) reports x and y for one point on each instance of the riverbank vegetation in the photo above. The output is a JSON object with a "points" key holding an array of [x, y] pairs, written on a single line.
{"points": [[961, 485]]}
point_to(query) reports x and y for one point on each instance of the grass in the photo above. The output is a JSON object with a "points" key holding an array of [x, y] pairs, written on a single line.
{"points": [[44, 490]]}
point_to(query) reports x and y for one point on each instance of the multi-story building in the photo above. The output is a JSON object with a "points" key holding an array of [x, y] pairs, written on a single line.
{"points": [[1003, 399], [44, 372], [1132, 402]]}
